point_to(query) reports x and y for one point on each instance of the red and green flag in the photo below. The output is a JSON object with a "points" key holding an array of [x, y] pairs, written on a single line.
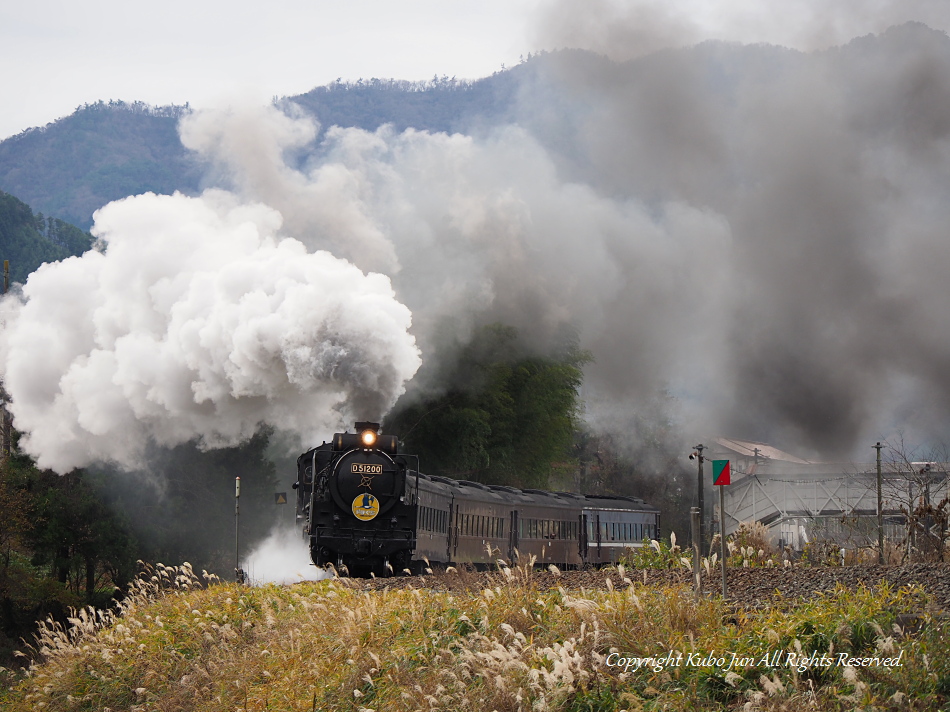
{"points": [[721, 472]]}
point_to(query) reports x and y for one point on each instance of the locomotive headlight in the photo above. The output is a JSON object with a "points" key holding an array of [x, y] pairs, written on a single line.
{"points": [[368, 438]]}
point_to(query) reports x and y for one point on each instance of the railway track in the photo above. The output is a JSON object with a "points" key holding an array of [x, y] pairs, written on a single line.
{"points": [[752, 587]]}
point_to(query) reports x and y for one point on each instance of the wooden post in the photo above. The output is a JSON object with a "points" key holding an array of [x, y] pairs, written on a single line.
{"points": [[695, 521]]}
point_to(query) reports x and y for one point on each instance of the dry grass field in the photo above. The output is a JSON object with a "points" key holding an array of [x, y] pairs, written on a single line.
{"points": [[182, 643]]}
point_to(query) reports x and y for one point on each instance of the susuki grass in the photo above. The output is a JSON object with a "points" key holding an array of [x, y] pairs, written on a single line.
{"points": [[178, 644]]}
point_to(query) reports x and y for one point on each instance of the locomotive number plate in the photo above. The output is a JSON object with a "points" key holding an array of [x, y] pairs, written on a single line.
{"points": [[362, 468]]}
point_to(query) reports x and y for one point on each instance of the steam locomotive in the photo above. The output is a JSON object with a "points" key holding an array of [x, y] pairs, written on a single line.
{"points": [[365, 506]]}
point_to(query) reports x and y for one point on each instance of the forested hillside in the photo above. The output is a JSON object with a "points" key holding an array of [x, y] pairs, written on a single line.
{"points": [[106, 151], [441, 104], [28, 240], [71, 540], [102, 152]]}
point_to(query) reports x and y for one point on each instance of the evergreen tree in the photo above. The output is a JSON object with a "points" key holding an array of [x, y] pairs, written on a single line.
{"points": [[29, 240], [507, 417]]}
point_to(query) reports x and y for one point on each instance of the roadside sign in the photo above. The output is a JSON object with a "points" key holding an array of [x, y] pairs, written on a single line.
{"points": [[721, 472]]}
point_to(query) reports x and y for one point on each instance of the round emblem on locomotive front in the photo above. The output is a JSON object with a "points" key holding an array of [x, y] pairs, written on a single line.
{"points": [[365, 506]]}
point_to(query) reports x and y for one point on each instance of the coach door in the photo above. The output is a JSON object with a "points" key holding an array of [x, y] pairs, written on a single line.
{"points": [[513, 536], [582, 538], [600, 556], [453, 533]]}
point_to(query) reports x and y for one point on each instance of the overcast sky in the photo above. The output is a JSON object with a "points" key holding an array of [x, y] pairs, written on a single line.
{"points": [[58, 54]]}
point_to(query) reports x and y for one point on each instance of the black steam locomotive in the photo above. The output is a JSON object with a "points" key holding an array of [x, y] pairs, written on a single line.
{"points": [[366, 507]]}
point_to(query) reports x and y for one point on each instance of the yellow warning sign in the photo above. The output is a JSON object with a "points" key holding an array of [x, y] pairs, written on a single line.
{"points": [[280, 498], [365, 506]]}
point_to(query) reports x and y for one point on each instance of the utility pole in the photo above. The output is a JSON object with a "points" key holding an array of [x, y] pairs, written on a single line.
{"points": [[880, 508], [238, 572], [699, 497], [694, 522], [722, 536]]}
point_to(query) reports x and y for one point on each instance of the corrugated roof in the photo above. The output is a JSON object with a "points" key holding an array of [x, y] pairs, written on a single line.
{"points": [[747, 448]]}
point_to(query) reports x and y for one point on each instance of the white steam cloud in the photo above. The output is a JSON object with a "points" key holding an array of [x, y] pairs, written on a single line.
{"points": [[758, 228], [198, 321], [282, 558], [479, 229]]}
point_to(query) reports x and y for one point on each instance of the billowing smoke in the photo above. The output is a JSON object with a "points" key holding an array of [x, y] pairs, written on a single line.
{"points": [[758, 230], [480, 229], [198, 321], [826, 323], [626, 29]]}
